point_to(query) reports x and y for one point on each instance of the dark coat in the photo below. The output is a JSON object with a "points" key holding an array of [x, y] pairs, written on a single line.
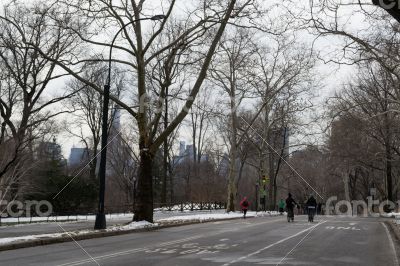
{"points": [[290, 203], [312, 202]]}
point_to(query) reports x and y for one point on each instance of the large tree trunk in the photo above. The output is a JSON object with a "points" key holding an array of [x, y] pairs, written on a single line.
{"points": [[143, 208], [148, 146]]}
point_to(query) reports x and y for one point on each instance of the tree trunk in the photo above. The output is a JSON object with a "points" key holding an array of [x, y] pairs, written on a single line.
{"points": [[232, 156], [278, 166], [346, 186], [143, 208], [165, 155], [389, 173], [271, 174], [231, 185]]}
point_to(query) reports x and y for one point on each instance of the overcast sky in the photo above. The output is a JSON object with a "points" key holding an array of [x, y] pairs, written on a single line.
{"points": [[333, 76]]}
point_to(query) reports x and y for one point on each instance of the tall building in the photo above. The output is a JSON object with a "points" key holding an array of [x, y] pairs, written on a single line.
{"points": [[78, 156], [182, 147], [116, 123]]}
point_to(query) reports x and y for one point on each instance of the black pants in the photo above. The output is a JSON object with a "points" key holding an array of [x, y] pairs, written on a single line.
{"points": [[244, 213], [290, 212]]}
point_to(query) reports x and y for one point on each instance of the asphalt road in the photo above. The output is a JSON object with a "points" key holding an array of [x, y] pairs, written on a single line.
{"points": [[256, 241]]}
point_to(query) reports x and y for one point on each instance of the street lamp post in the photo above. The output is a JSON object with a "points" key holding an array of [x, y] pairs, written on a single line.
{"points": [[101, 217]]}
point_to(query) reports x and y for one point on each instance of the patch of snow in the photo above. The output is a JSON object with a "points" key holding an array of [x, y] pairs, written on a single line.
{"points": [[139, 225], [132, 225]]}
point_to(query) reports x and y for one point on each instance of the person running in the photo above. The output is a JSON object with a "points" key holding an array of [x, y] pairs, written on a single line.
{"points": [[311, 206], [245, 205], [290, 204], [281, 206]]}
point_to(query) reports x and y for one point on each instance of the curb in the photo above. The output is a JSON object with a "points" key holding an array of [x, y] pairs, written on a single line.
{"points": [[394, 230], [102, 233]]}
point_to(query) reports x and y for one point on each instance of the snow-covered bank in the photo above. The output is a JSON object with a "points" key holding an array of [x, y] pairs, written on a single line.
{"points": [[72, 234], [391, 215], [136, 225], [216, 216]]}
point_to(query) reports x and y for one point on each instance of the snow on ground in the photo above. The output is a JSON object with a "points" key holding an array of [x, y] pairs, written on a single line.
{"points": [[72, 234], [394, 215], [391, 215], [138, 225], [215, 216]]}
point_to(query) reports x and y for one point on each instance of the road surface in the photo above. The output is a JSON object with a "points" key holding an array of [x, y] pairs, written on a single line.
{"points": [[255, 241]]}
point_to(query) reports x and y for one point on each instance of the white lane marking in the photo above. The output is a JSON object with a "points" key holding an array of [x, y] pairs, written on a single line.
{"points": [[309, 232], [342, 228], [395, 260], [272, 245], [224, 239], [131, 251]]}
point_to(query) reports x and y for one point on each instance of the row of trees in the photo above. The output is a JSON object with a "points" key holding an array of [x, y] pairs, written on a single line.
{"points": [[238, 75]]}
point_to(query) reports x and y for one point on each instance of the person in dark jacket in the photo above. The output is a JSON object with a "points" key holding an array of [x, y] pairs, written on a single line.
{"points": [[311, 206], [245, 205], [290, 204]]}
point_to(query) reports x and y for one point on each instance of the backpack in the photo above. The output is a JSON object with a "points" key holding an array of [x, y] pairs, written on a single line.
{"points": [[245, 203]]}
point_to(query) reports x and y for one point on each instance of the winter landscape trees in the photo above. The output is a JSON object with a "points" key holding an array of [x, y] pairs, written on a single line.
{"points": [[229, 77]]}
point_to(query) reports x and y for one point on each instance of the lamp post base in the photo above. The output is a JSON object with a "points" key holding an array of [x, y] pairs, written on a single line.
{"points": [[100, 221]]}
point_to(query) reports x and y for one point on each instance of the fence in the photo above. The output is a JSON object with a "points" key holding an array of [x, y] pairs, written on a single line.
{"points": [[191, 206]]}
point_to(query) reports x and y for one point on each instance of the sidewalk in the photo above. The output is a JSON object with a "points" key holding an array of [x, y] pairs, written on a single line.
{"points": [[27, 235]]}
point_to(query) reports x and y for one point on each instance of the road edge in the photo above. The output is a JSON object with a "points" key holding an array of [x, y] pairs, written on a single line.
{"points": [[103, 233], [394, 235]]}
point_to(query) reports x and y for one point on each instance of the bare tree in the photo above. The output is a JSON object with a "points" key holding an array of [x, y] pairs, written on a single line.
{"points": [[283, 76], [372, 101], [230, 72], [84, 21], [26, 74], [87, 105]]}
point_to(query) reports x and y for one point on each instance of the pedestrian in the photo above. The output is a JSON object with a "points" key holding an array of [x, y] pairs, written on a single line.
{"points": [[311, 206], [290, 204], [245, 205], [281, 206]]}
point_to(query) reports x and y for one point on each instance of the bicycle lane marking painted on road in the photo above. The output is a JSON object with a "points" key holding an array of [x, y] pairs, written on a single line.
{"points": [[144, 249], [395, 260], [273, 244]]}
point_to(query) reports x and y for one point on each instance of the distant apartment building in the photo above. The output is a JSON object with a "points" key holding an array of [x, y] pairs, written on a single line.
{"points": [[186, 152], [78, 156]]}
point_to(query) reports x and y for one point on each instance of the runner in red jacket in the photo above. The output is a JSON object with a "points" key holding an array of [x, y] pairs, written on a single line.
{"points": [[244, 204]]}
